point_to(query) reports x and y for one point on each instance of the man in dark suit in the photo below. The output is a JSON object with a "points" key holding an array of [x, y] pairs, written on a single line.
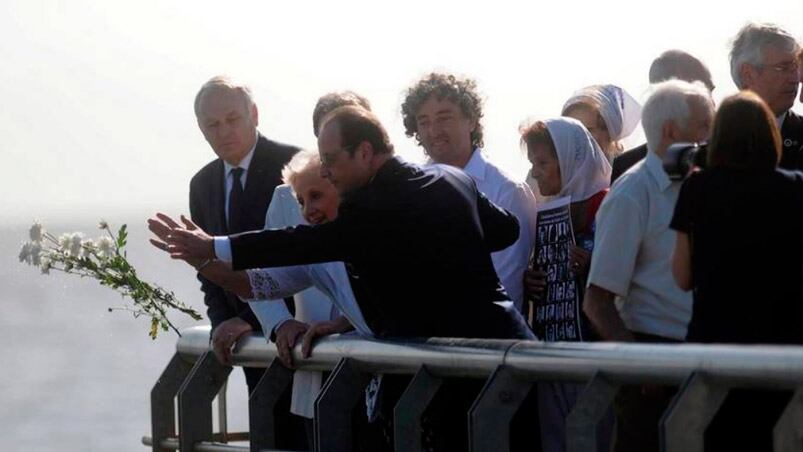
{"points": [[670, 64], [416, 240], [231, 194], [764, 59], [416, 243]]}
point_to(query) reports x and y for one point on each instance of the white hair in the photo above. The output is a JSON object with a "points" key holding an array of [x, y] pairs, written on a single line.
{"points": [[749, 44], [225, 82], [303, 161], [671, 101]]}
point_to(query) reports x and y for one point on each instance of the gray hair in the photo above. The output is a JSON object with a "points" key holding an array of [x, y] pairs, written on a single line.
{"points": [[680, 65], [225, 82], [332, 101], [670, 101], [303, 161], [749, 44]]}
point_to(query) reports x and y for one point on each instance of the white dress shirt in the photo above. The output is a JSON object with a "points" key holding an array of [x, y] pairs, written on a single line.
{"points": [[517, 198]]}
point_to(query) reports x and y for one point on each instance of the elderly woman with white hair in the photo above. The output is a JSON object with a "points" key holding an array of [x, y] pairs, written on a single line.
{"points": [[608, 112], [325, 303]]}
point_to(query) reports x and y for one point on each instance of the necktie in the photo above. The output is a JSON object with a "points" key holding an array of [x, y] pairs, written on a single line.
{"points": [[235, 201]]}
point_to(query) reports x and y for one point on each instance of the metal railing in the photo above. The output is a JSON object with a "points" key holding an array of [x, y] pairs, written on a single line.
{"points": [[704, 374]]}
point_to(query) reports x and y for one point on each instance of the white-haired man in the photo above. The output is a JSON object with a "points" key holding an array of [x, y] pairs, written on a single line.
{"points": [[763, 58], [670, 64], [633, 254]]}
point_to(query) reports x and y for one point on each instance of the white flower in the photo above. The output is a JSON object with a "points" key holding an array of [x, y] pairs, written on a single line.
{"points": [[25, 253], [65, 240], [105, 246], [46, 265], [37, 232], [87, 246], [75, 244]]}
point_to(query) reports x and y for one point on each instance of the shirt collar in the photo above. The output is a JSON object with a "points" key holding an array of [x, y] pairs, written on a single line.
{"points": [[244, 163], [655, 168], [476, 165], [780, 119]]}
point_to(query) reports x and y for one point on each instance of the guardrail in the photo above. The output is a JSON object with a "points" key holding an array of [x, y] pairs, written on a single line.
{"points": [[705, 373]]}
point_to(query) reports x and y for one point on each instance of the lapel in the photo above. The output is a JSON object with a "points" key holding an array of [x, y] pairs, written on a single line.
{"points": [[792, 142], [217, 200], [256, 193], [256, 180]]}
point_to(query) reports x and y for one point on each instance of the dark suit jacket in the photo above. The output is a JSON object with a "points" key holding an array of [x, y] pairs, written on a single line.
{"points": [[626, 160], [416, 242], [792, 142], [207, 201]]}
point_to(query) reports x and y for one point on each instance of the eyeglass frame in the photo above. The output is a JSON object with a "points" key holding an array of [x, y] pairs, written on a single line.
{"points": [[329, 159]]}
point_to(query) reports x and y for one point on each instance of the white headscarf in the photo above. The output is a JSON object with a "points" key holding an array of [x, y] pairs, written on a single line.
{"points": [[584, 169], [618, 109]]}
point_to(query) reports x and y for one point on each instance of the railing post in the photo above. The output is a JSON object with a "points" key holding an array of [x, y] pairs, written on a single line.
{"points": [[589, 410], [195, 401], [409, 409], [261, 418], [342, 391], [682, 427], [787, 435], [493, 410], [163, 409]]}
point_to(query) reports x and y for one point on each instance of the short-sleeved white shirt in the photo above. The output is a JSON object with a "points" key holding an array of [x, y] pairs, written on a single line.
{"points": [[633, 249]]}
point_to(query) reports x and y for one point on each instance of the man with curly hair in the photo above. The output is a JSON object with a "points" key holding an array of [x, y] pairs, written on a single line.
{"points": [[443, 112]]}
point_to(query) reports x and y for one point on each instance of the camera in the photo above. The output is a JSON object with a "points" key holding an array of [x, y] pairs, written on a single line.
{"points": [[680, 158]]}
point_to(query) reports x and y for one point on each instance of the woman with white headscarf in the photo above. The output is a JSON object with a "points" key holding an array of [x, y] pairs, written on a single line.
{"points": [[566, 161], [608, 112]]}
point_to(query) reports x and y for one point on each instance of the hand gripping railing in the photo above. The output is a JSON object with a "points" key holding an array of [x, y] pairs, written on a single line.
{"points": [[704, 373]]}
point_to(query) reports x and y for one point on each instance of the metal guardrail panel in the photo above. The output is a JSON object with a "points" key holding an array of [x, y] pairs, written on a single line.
{"points": [[514, 365]]}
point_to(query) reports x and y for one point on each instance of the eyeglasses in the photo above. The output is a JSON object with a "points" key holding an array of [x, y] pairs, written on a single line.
{"points": [[783, 68], [330, 158]]}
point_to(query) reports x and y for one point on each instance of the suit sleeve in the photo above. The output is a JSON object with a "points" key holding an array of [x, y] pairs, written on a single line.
{"points": [[500, 227], [298, 245], [217, 308]]}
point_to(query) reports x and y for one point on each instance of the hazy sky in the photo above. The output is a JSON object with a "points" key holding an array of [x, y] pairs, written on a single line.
{"points": [[97, 96]]}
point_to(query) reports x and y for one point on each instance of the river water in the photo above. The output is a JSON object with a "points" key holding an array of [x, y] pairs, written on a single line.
{"points": [[76, 377]]}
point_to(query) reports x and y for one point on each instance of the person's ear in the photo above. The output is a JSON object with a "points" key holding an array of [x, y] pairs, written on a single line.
{"points": [[255, 115], [364, 152], [747, 74], [670, 131]]}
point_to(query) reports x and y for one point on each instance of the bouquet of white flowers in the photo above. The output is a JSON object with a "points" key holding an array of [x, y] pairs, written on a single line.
{"points": [[104, 260]]}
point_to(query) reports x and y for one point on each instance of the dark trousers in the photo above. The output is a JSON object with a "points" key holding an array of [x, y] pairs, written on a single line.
{"points": [[289, 428], [639, 409]]}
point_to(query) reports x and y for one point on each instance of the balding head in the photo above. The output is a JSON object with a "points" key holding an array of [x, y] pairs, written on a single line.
{"points": [[682, 66]]}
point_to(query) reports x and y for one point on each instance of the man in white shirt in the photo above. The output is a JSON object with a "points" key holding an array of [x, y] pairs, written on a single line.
{"points": [[443, 113], [633, 253]]}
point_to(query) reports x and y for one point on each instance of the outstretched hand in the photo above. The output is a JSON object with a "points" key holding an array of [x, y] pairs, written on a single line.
{"points": [[187, 242]]}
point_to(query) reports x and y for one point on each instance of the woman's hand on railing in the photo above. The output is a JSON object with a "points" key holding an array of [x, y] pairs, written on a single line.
{"points": [[286, 338], [316, 330]]}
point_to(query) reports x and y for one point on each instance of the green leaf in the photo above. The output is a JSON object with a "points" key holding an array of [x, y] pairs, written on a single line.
{"points": [[122, 237]]}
